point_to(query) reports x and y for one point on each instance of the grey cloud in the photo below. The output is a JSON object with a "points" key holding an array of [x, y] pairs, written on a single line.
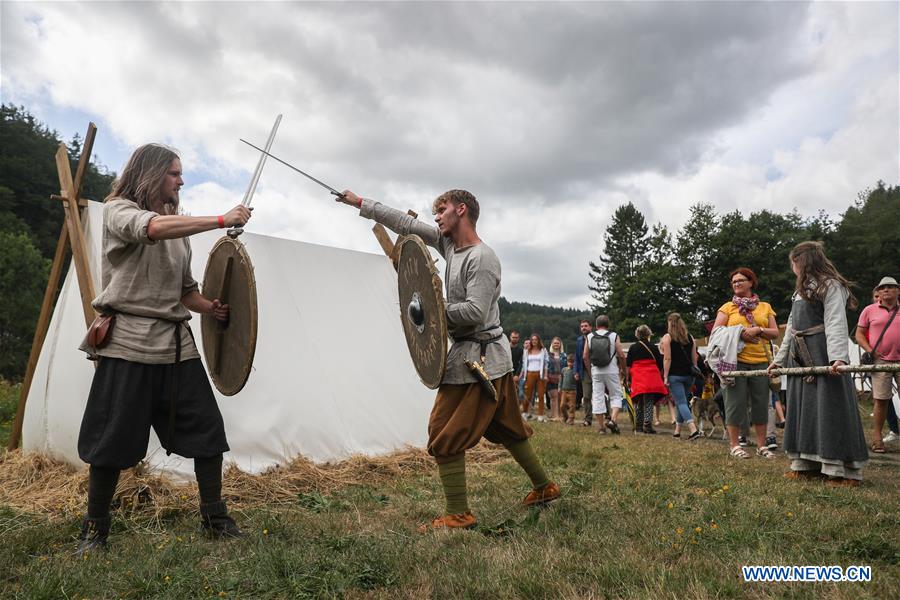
{"points": [[538, 108], [622, 87]]}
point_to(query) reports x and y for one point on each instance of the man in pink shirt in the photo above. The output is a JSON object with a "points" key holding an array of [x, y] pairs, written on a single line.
{"points": [[878, 333]]}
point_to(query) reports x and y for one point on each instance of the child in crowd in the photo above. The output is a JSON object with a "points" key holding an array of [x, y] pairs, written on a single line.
{"points": [[568, 387]]}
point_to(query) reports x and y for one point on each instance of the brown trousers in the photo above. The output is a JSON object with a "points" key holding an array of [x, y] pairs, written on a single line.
{"points": [[532, 380], [567, 404], [463, 414]]}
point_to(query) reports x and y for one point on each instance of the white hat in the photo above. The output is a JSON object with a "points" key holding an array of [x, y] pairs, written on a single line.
{"points": [[886, 281]]}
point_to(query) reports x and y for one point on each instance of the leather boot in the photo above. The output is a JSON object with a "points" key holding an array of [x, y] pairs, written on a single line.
{"points": [[215, 520], [94, 534]]}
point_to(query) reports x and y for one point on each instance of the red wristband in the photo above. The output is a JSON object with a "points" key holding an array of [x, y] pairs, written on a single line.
{"points": [[221, 221]]}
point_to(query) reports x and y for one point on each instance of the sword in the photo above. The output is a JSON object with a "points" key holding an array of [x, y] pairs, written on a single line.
{"points": [[248, 196], [289, 165]]}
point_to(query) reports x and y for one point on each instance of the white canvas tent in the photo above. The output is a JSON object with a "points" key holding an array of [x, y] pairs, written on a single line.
{"points": [[331, 377]]}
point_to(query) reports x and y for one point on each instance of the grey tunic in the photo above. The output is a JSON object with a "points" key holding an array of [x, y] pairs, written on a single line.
{"points": [[823, 428], [472, 281]]}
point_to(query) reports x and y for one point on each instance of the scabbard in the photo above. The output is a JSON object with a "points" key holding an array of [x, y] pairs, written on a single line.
{"points": [[482, 376]]}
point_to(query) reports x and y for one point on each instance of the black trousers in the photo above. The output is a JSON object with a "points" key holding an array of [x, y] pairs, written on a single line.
{"points": [[128, 398]]}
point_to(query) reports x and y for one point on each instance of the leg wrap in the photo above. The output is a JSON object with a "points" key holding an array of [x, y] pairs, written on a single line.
{"points": [[453, 480], [528, 460]]}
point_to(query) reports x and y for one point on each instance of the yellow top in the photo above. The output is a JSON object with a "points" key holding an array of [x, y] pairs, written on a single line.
{"points": [[752, 353]]}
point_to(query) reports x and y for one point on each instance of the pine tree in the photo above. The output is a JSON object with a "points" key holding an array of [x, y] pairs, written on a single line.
{"points": [[624, 254], [696, 260]]}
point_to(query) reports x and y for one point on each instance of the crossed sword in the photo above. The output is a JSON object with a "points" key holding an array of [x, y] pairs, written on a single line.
{"points": [[264, 152]]}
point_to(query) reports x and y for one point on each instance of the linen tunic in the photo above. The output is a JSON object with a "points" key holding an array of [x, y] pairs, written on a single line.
{"points": [[143, 282], [472, 281]]}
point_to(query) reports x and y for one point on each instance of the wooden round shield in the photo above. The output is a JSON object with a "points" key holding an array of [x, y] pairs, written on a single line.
{"points": [[229, 347], [422, 310]]}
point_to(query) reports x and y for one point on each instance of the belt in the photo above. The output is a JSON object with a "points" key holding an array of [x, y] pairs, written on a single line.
{"points": [[173, 399], [799, 349], [477, 369]]}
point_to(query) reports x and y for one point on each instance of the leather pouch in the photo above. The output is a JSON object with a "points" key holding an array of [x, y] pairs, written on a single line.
{"points": [[100, 331]]}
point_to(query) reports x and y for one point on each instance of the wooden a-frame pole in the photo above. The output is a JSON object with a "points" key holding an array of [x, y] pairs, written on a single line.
{"points": [[71, 235], [384, 239]]}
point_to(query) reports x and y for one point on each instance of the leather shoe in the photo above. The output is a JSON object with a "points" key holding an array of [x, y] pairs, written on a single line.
{"points": [[464, 520], [542, 495], [94, 534]]}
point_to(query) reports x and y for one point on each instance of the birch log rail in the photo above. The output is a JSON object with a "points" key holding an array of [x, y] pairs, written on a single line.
{"points": [[894, 368]]}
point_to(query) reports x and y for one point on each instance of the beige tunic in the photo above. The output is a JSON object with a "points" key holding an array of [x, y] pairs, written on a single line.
{"points": [[143, 283]]}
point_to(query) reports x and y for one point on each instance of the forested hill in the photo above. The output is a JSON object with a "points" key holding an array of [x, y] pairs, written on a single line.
{"points": [[546, 321], [29, 225]]}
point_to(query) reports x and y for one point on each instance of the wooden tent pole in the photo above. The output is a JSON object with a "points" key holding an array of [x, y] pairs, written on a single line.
{"points": [[40, 333], [76, 233], [72, 204], [384, 239], [84, 159]]}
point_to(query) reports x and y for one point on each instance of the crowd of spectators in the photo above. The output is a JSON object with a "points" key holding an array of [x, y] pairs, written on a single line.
{"points": [[603, 376]]}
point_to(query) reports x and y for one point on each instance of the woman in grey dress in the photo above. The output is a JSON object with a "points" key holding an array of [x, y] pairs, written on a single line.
{"points": [[823, 435]]}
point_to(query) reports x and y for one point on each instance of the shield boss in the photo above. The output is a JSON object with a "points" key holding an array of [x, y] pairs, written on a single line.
{"points": [[422, 310], [229, 347]]}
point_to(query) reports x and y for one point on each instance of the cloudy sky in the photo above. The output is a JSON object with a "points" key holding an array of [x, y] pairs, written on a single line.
{"points": [[552, 114]]}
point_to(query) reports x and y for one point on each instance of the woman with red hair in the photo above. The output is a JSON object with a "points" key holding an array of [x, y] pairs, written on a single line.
{"points": [[757, 319]]}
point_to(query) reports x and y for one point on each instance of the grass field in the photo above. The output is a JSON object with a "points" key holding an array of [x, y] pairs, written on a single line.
{"points": [[641, 517], [9, 399]]}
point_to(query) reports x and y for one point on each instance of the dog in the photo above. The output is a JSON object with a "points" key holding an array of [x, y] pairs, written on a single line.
{"points": [[709, 410]]}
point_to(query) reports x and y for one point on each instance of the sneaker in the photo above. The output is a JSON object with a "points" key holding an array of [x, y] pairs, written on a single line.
{"points": [[891, 437], [771, 444], [742, 441], [215, 521], [542, 495], [464, 520], [93, 536], [541, 419]]}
